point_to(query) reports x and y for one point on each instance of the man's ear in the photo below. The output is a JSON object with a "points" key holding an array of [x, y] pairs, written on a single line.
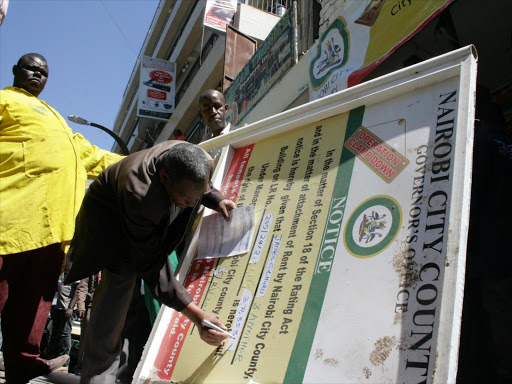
{"points": [[14, 69], [164, 177], [226, 107]]}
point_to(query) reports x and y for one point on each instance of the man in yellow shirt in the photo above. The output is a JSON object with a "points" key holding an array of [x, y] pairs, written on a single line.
{"points": [[43, 173]]}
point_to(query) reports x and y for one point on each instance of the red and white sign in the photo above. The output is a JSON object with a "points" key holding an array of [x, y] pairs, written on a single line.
{"points": [[219, 13], [156, 88]]}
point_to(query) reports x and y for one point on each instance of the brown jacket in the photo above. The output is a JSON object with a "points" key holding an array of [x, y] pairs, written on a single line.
{"points": [[85, 292], [124, 224]]}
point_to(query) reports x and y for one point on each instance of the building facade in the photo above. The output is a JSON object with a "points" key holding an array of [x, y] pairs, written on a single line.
{"points": [[178, 34]]}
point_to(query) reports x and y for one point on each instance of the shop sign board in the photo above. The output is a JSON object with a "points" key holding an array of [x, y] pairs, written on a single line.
{"points": [[157, 88], [218, 14], [268, 64], [356, 273], [363, 36]]}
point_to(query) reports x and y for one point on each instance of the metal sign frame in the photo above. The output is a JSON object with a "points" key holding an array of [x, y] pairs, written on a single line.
{"points": [[459, 67]]}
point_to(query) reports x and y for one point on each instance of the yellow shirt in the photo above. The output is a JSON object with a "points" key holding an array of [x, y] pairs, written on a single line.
{"points": [[43, 173]]}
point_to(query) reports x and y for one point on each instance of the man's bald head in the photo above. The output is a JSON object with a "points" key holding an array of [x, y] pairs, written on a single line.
{"points": [[31, 73], [29, 55], [211, 93]]}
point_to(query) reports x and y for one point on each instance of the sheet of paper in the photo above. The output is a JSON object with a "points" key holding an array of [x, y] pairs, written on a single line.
{"points": [[221, 238]]}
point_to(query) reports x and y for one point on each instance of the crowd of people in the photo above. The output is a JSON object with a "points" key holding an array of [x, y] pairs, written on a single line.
{"points": [[110, 239]]}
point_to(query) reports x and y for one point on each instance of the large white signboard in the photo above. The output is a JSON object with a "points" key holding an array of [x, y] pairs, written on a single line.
{"points": [[361, 201], [157, 88]]}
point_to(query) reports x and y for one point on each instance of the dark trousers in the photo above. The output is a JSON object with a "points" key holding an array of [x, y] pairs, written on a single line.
{"points": [[84, 322], [117, 330], [137, 328], [102, 342], [28, 281], [60, 339]]}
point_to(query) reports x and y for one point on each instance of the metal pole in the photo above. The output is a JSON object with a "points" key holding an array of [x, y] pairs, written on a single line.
{"points": [[122, 144]]}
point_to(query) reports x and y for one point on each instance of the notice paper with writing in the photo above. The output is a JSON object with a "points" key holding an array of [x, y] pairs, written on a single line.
{"points": [[221, 238]]}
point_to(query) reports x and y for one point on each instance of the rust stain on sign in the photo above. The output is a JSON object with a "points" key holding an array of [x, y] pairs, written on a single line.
{"points": [[399, 316], [406, 269], [331, 361], [319, 353], [383, 348]]}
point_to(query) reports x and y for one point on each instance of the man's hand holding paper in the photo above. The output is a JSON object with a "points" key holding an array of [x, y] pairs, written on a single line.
{"points": [[219, 237]]}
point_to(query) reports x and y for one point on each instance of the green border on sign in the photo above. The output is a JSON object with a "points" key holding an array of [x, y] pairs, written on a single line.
{"points": [[314, 302], [396, 221]]}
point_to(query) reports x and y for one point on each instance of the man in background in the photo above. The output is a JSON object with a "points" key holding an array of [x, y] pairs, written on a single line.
{"points": [[84, 292], [179, 135], [43, 173], [62, 316], [212, 110]]}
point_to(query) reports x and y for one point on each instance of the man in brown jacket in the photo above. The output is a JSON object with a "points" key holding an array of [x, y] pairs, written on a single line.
{"points": [[132, 217]]}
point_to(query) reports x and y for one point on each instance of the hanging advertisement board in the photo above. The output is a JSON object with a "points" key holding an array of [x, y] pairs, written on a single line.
{"points": [[356, 270], [157, 88], [270, 62], [364, 35], [218, 14]]}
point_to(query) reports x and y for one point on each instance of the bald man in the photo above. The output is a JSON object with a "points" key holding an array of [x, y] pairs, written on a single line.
{"points": [[212, 110], [43, 172]]}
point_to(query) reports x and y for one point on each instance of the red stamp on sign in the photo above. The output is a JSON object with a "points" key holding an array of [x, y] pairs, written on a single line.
{"points": [[380, 157]]}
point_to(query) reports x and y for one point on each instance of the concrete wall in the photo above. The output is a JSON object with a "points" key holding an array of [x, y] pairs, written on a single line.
{"points": [[331, 9]]}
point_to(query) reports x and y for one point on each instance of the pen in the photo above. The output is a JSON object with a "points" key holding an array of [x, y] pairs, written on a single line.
{"points": [[209, 324]]}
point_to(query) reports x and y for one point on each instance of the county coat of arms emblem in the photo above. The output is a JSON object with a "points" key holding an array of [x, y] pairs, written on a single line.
{"points": [[372, 226]]}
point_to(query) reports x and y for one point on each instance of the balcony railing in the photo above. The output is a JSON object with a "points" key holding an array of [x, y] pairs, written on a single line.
{"points": [[277, 7], [182, 27], [195, 68]]}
